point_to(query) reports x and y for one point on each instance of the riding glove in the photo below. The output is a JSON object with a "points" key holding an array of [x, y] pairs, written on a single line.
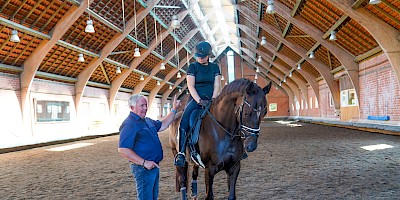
{"points": [[203, 102]]}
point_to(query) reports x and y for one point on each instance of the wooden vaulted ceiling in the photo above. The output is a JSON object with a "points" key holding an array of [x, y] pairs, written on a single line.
{"points": [[289, 36]]}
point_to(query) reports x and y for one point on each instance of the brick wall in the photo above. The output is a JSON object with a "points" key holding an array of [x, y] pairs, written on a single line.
{"points": [[379, 89]]}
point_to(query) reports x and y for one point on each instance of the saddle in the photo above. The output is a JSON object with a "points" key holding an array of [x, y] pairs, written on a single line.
{"points": [[194, 132]]}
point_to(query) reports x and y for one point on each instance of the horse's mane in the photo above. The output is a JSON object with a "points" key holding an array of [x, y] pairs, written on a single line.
{"points": [[238, 85]]}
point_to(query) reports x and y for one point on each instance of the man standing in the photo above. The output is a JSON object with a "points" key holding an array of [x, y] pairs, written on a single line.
{"points": [[139, 143]]}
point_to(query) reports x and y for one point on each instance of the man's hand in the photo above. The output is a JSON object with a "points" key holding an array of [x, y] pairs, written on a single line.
{"points": [[176, 103]]}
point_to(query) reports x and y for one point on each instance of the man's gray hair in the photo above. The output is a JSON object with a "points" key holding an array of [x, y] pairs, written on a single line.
{"points": [[134, 99]]}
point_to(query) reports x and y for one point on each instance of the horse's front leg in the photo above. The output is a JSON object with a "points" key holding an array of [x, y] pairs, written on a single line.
{"points": [[182, 180], [195, 174], [209, 179], [233, 174]]}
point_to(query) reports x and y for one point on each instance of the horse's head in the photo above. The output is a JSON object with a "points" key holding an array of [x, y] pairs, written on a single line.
{"points": [[252, 108]]}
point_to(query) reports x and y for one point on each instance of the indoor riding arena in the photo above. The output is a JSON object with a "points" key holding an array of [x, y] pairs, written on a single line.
{"points": [[306, 161], [319, 97]]}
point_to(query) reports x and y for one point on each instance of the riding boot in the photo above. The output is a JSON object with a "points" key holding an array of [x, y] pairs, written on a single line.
{"points": [[180, 156]]}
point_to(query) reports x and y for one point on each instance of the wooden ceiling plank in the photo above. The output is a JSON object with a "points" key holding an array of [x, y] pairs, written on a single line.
{"points": [[386, 14], [357, 4], [105, 73], [19, 8], [286, 31], [368, 54], [395, 9], [61, 63], [298, 36], [23, 51], [42, 13], [44, 64], [297, 7], [14, 47], [335, 26], [52, 16], [31, 11], [4, 5]]}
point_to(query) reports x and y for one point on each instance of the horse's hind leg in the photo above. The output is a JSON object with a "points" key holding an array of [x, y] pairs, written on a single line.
{"points": [[233, 174], [209, 179], [195, 174]]}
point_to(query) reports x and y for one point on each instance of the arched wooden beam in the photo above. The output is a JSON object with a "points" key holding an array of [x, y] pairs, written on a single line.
{"points": [[294, 89], [85, 75], [319, 66], [310, 79], [139, 87], [32, 63], [344, 57], [172, 73], [299, 82], [387, 37], [117, 82]]}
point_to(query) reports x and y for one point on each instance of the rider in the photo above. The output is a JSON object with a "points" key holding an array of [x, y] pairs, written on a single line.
{"points": [[204, 83]]}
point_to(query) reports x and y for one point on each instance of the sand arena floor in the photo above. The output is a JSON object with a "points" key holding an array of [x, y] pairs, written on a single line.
{"points": [[308, 162]]}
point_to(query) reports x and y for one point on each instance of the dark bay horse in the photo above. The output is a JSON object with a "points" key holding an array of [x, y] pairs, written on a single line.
{"points": [[231, 127]]}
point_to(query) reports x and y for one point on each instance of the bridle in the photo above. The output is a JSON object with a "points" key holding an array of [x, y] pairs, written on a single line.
{"points": [[244, 131]]}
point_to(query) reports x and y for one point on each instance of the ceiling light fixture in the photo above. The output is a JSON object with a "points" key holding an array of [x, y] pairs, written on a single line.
{"points": [[255, 76], [255, 81], [374, 2], [257, 70], [170, 87], [298, 66], [81, 58], [259, 59], [14, 36], [280, 83], [263, 40], [332, 37], [311, 55], [118, 71], [158, 83], [284, 79], [222, 78], [141, 78], [178, 75], [290, 74], [162, 66], [89, 23], [175, 22], [137, 53], [180, 90], [270, 7]]}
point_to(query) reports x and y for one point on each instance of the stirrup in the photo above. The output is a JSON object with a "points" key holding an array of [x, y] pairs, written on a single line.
{"points": [[197, 160]]}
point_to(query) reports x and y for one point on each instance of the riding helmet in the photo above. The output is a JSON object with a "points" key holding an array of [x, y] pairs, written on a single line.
{"points": [[203, 49]]}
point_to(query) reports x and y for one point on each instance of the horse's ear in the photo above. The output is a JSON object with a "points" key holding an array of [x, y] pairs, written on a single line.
{"points": [[267, 88]]}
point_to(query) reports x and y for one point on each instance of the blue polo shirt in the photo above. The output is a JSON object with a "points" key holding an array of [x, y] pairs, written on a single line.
{"points": [[141, 135]]}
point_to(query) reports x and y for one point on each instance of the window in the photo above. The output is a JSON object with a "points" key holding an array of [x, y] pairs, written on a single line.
{"points": [[52, 111], [348, 98], [330, 99], [316, 102], [310, 102], [231, 66]]}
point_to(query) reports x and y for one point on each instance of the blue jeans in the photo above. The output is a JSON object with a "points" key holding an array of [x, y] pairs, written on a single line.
{"points": [[191, 106], [146, 182]]}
